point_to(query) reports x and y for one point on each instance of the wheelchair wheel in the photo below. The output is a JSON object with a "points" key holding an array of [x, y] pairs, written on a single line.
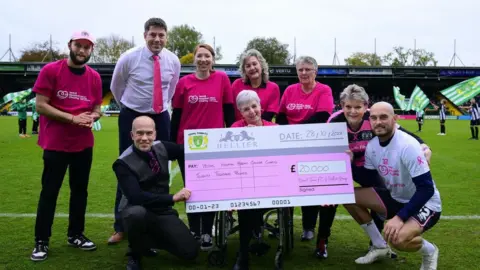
{"points": [[288, 220], [221, 229], [217, 258], [278, 264], [271, 227]]}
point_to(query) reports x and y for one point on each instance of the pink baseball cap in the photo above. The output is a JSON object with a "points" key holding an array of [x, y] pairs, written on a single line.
{"points": [[83, 35]]}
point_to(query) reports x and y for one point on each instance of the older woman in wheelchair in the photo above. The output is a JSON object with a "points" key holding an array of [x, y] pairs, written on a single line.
{"points": [[251, 221]]}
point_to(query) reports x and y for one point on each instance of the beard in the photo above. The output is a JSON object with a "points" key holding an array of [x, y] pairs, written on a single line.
{"points": [[77, 62], [387, 131]]}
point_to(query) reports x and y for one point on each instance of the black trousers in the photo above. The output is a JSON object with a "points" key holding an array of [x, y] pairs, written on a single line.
{"points": [[327, 215], [35, 126], [125, 120], [199, 223], [22, 126], [55, 165], [147, 230], [249, 221]]}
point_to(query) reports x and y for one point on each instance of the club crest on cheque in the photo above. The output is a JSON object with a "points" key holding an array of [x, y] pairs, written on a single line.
{"points": [[198, 141]]}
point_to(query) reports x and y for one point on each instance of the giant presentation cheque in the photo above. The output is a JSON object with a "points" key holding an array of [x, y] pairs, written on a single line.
{"points": [[267, 167]]}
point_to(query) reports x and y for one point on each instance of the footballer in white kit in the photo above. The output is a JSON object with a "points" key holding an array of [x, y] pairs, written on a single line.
{"points": [[410, 200], [402, 165]]}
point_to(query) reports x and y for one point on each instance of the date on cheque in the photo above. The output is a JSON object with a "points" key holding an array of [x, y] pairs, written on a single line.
{"points": [[194, 207]]}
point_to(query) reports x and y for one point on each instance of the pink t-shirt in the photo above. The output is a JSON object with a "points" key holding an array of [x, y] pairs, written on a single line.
{"points": [[299, 106], [243, 123], [202, 101], [269, 96], [69, 93]]}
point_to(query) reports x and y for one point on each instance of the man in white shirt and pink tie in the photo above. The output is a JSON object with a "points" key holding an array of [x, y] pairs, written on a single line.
{"points": [[143, 83]]}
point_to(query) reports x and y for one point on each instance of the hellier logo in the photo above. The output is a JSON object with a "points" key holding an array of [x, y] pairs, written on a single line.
{"points": [[198, 141], [233, 140]]}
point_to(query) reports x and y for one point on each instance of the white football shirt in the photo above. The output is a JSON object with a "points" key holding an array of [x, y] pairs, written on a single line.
{"points": [[397, 163]]}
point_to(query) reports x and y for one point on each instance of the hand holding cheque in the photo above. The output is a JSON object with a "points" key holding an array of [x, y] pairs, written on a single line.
{"points": [[267, 167]]}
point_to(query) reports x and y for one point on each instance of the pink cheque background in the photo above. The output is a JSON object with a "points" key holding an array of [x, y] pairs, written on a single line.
{"points": [[270, 181]]}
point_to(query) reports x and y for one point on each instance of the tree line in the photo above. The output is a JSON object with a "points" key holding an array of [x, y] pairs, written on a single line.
{"points": [[182, 40]]}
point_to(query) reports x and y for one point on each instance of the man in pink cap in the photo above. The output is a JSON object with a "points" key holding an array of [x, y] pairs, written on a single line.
{"points": [[68, 99]]}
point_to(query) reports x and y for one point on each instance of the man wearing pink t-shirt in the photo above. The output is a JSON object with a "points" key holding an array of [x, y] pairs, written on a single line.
{"points": [[309, 102], [68, 99]]}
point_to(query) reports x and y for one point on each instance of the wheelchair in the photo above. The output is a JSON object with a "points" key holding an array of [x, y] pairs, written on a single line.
{"points": [[281, 227]]}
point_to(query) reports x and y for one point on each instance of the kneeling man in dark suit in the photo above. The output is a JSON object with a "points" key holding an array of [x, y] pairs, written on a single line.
{"points": [[146, 205]]}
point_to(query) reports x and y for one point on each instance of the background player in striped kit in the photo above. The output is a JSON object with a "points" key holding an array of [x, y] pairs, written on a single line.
{"points": [[420, 119], [442, 111], [474, 111]]}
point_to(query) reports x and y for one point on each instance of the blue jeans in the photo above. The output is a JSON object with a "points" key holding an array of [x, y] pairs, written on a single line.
{"points": [[125, 120]]}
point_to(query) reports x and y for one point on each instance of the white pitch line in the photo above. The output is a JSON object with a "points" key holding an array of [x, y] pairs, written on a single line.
{"points": [[102, 215]]}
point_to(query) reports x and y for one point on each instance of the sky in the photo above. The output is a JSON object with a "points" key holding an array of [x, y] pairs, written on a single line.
{"points": [[434, 24]]}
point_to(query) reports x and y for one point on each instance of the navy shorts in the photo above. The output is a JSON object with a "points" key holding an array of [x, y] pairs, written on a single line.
{"points": [[426, 217], [419, 119], [474, 122], [442, 121]]}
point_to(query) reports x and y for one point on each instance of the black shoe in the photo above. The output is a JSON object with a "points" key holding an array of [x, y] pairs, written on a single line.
{"points": [[321, 250], [241, 262], [133, 263], [259, 248], [40, 251], [151, 253], [81, 242]]}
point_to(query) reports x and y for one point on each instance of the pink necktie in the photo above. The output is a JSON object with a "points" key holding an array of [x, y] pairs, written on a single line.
{"points": [[157, 86]]}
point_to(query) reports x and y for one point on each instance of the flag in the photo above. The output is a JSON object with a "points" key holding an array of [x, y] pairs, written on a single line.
{"points": [[463, 91], [174, 170], [418, 100], [32, 102], [17, 96], [399, 98], [97, 126]]}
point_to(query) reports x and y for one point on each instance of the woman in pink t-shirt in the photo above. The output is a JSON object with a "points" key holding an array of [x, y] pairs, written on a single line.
{"points": [[249, 106], [309, 102], [202, 100], [254, 71]]}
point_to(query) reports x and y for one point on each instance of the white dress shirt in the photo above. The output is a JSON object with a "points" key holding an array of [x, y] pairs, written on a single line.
{"points": [[132, 80]]}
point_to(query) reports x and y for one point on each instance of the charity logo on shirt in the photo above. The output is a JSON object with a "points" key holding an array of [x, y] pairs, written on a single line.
{"points": [[298, 106], [385, 169], [192, 99], [64, 94]]}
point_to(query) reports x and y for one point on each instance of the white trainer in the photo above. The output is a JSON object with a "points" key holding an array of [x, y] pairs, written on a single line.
{"points": [[429, 262], [374, 254]]}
